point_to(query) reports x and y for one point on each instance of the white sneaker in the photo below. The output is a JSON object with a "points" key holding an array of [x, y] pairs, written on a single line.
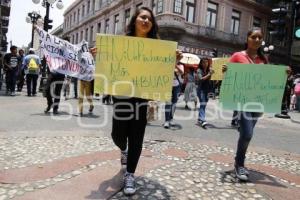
{"points": [[13, 94], [167, 124], [172, 123], [129, 184]]}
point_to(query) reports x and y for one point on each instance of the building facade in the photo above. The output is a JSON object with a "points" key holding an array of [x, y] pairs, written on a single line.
{"points": [[201, 27], [4, 17]]}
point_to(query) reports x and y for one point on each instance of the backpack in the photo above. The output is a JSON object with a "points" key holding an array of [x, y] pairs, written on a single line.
{"points": [[297, 89], [32, 65]]}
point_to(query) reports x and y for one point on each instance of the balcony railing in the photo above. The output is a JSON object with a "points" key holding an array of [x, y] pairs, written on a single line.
{"points": [[179, 22]]}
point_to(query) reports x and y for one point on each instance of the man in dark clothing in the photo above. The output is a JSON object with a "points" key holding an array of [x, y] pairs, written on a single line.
{"points": [[53, 89], [10, 62]]}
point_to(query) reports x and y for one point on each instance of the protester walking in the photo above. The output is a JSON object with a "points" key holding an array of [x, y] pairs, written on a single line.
{"points": [[10, 62], [170, 107], [252, 54], [21, 72], [203, 87], [31, 65], [190, 93], [130, 114], [85, 90]]}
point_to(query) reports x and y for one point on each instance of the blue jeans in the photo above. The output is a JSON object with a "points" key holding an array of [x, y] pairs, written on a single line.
{"points": [[203, 99], [247, 124], [171, 106]]}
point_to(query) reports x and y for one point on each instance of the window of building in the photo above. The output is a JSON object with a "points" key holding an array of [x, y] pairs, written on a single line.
{"points": [[88, 7], [116, 24], [93, 5], [153, 5], [127, 17], [81, 35], [77, 38], [86, 34], [106, 26], [71, 18], [73, 39], [178, 6], [74, 17], [160, 6], [91, 34], [190, 11], [78, 15], [83, 11], [211, 15], [256, 22], [235, 22], [99, 27]]}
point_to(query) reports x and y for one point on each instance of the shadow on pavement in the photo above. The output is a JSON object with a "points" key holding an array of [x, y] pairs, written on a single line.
{"points": [[146, 189], [255, 177], [60, 113]]}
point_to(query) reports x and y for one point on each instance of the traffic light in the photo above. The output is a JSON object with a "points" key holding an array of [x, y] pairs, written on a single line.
{"points": [[297, 20], [279, 22], [47, 23]]}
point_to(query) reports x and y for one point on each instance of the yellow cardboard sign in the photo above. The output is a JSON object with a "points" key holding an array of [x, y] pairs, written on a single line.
{"points": [[217, 68], [134, 67]]}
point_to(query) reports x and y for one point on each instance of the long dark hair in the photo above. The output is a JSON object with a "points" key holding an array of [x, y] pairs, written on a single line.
{"points": [[153, 33], [200, 66], [260, 52]]}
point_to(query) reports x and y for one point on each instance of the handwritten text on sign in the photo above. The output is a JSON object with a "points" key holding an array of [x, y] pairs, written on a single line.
{"points": [[217, 64], [135, 67], [66, 58], [253, 88]]}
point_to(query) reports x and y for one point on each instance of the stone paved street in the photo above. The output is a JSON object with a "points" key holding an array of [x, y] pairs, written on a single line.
{"points": [[43, 157]]}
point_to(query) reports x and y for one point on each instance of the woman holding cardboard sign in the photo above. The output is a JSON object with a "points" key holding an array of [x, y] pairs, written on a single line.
{"points": [[251, 55], [130, 114]]}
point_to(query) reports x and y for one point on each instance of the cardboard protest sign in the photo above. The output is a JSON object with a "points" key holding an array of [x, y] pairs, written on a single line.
{"points": [[135, 67], [253, 88], [217, 64], [66, 58]]}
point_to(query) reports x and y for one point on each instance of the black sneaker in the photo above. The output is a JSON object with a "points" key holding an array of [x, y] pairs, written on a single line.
{"points": [[124, 155], [55, 112], [129, 184], [91, 108], [242, 173], [47, 109]]}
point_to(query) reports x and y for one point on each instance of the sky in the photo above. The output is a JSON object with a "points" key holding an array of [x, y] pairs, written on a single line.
{"points": [[19, 31]]}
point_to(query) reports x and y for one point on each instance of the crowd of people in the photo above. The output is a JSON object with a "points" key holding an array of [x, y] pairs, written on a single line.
{"points": [[130, 114]]}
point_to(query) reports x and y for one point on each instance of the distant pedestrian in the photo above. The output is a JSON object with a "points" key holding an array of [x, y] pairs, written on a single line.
{"points": [[10, 62], [190, 93], [31, 65], [53, 88], [203, 88], [170, 107], [85, 90], [21, 72]]}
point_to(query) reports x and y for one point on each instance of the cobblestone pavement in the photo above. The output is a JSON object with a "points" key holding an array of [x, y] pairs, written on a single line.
{"points": [[193, 170]]}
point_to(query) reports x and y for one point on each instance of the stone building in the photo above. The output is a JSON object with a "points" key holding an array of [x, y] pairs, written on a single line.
{"points": [[4, 17], [202, 27]]}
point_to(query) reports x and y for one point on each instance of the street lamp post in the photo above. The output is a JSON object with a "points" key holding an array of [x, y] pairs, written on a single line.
{"points": [[32, 17], [47, 26]]}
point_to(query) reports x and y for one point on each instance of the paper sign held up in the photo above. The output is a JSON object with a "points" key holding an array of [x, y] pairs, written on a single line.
{"points": [[134, 67], [253, 88], [217, 64]]}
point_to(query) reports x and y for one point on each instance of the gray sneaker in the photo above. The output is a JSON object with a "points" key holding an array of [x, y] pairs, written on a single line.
{"points": [[129, 184], [242, 173], [167, 124]]}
